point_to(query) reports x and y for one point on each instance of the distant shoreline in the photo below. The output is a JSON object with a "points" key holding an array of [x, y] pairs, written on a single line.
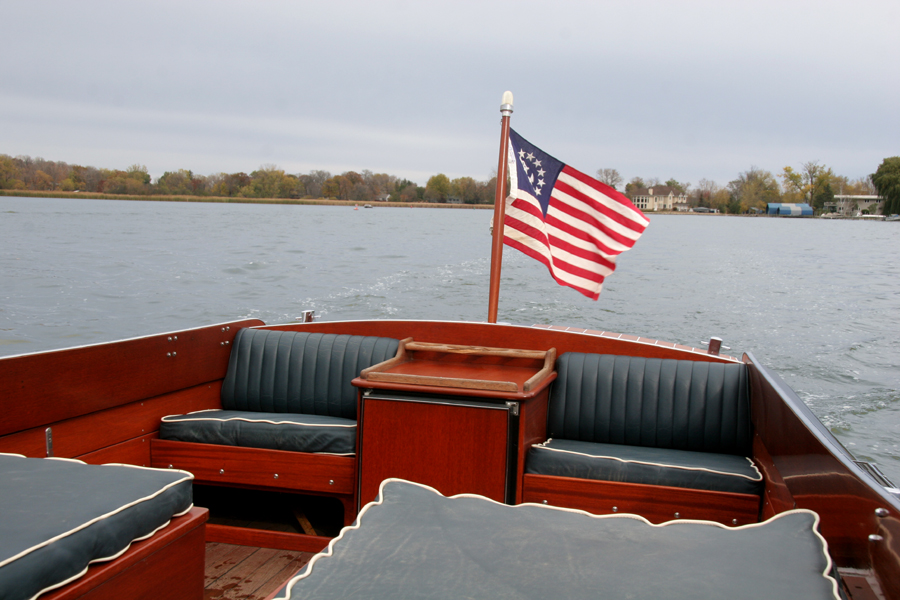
{"points": [[231, 200], [295, 201]]}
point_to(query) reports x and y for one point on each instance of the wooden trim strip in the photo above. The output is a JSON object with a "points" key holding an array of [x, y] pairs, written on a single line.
{"points": [[326, 474], [656, 503], [549, 366]]}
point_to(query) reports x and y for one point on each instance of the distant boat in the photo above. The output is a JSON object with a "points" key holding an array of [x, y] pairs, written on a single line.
{"points": [[367, 206]]}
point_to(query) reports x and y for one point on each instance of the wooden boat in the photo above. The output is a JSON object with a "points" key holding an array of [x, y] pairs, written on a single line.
{"points": [[104, 403], [576, 463]]}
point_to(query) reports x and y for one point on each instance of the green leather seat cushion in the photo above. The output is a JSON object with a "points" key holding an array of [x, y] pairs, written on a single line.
{"points": [[274, 431], [60, 515], [414, 543], [638, 464]]}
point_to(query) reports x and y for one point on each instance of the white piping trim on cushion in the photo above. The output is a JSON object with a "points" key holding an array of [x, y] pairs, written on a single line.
{"points": [[173, 419], [758, 477], [189, 476], [114, 556], [329, 550]]}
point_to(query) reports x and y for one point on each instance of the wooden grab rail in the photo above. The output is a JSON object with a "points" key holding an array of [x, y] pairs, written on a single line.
{"points": [[549, 364], [382, 372], [398, 358], [475, 350]]}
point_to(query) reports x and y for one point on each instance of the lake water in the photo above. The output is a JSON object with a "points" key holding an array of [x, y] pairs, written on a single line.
{"points": [[815, 300]]}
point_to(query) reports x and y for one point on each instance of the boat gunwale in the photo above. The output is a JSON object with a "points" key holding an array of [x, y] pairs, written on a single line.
{"points": [[827, 439], [575, 331]]}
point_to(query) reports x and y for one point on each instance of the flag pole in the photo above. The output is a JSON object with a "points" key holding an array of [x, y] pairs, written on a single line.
{"points": [[506, 109]]}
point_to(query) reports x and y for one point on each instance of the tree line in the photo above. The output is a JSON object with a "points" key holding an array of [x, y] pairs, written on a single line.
{"points": [[38, 174], [811, 182]]}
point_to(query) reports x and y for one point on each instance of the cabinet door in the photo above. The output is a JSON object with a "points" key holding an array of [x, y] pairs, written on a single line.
{"points": [[454, 447]]}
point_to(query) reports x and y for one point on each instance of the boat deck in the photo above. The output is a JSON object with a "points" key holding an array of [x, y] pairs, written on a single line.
{"points": [[247, 572]]}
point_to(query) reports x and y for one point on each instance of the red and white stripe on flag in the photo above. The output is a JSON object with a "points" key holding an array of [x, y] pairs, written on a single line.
{"points": [[587, 225]]}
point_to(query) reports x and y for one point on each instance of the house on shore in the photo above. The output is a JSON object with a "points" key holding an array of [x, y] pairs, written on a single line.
{"points": [[659, 197], [853, 206]]}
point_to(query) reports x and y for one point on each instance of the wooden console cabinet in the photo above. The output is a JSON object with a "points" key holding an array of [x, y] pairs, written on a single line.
{"points": [[457, 418]]}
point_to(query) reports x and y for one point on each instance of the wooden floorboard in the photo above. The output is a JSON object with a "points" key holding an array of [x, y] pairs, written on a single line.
{"points": [[244, 572], [220, 558]]}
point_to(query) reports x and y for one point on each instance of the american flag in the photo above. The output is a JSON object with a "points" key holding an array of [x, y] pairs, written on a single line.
{"points": [[569, 221]]}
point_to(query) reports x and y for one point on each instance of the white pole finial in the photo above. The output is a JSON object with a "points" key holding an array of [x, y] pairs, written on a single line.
{"points": [[506, 103]]}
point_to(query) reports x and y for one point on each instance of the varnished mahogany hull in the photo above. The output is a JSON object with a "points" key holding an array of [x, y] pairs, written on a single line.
{"points": [[103, 404]]}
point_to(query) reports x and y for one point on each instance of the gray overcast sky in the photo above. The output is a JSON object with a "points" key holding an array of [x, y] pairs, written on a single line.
{"points": [[687, 89]]}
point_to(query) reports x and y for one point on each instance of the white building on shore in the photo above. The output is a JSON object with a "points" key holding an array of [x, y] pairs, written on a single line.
{"points": [[852, 206], [659, 197]]}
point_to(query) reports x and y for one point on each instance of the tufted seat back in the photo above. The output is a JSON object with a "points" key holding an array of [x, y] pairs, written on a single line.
{"points": [[299, 372], [658, 403]]}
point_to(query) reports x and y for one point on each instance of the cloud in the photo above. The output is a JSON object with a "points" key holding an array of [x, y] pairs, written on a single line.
{"points": [[690, 89]]}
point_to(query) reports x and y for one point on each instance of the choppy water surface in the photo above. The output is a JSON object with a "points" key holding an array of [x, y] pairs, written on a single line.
{"points": [[815, 300]]}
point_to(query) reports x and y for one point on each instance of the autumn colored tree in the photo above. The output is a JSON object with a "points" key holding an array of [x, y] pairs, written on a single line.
{"points": [[704, 192], [752, 189], [808, 183], [632, 186], [9, 173], [412, 193], [464, 188], [176, 183], [312, 183], [271, 182], [93, 178], [380, 185], [487, 190], [347, 183], [861, 186], [438, 188], [139, 173], [331, 188], [228, 184]]}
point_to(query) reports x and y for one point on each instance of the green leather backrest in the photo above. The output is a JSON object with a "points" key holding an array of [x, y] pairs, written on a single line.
{"points": [[299, 372], [659, 403]]}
